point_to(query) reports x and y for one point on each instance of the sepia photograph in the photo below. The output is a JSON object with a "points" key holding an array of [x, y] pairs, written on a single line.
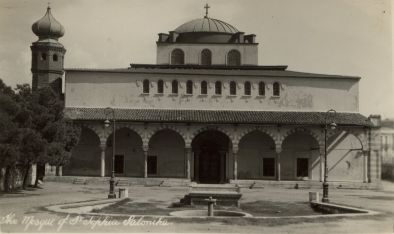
{"points": [[214, 116]]}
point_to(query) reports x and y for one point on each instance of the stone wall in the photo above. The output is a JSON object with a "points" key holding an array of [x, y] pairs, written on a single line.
{"points": [[125, 90], [249, 53]]}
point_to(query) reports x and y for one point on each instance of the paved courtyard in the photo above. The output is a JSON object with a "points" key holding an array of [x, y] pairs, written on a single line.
{"points": [[26, 210]]}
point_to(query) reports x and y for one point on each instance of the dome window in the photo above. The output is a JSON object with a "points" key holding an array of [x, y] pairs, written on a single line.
{"points": [[276, 89], [218, 88], [261, 89], [145, 86], [189, 87], [177, 57], [175, 87], [234, 58], [160, 86], [204, 88], [247, 88], [54, 57], [233, 88], [43, 56], [206, 57]]}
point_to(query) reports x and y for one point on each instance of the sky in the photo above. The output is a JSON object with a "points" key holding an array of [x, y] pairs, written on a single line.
{"points": [[343, 37]]}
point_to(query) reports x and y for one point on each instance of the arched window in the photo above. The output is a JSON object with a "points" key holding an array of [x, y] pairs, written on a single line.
{"points": [[247, 88], [233, 88], [177, 57], [234, 58], [189, 87], [204, 87], [160, 86], [54, 57], [218, 88], [261, 89], [43, 56], [174, 86], [276, 89], [206, 57], [145, 86]]}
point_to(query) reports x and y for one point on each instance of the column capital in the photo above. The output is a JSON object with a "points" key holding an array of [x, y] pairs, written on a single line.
{"points": [[103, 146], [365, 152], [278, 148], [188, 145], [235, 149], [145, 147]]}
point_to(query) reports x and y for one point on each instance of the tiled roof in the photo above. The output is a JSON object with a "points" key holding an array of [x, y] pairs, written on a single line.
{"points": [[218, 116]]}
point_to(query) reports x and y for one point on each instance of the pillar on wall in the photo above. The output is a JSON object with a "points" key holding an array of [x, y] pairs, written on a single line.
{"points": [[235, 158], [103, 147], [145, 148], [188, 151], [278, 150], [365, 166], [374, 162]]}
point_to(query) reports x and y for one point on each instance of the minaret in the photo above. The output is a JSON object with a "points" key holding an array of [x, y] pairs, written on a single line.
{"points": [[47, 53]]}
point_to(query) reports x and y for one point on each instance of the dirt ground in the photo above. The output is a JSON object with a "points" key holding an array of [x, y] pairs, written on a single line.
{"points": [[25, 211]]}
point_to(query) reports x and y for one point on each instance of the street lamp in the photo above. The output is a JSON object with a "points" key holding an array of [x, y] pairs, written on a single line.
{"points": [[332, 125], [107, 123]]}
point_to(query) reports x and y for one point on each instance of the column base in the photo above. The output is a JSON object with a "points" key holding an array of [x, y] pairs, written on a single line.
{"points": [[325, 200]]}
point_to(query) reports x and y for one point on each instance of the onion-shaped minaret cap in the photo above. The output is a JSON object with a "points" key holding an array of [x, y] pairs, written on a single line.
{"points": [[48, 27]]}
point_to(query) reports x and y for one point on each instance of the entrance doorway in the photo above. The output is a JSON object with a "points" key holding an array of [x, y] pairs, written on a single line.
{"points": [[210, 157], [119, 164]]}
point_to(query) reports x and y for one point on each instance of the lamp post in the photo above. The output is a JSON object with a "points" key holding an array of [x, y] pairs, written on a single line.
{"points": [[332, 125], [107, 123]]}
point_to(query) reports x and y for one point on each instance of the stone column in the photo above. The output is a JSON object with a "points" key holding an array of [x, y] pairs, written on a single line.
{"points": [[278, 150], [145, 148], [103, 148], [365, 165], [188, 151], [235, 158]]}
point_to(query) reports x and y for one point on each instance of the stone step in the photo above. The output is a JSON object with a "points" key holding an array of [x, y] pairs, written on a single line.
{"points": [[222, 188], [303, 184], [122, 183], [79, 181]]}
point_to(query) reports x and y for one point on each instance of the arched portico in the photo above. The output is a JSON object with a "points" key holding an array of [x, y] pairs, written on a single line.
{"points": [[211, 157], [129, 155], [85, 156], [166, 155], [256, 156], [300, 157], [346, 157]]}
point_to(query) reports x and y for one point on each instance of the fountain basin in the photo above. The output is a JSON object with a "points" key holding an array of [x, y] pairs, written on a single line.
{"points": [[204, 213]]}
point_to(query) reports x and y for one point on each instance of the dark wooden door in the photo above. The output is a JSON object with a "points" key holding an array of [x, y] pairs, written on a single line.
{"points": [[209, 167]]}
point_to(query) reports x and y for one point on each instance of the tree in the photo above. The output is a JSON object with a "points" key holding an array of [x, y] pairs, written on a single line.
{"points": [[9, 152], [33, 130], [64, 139], [33, 149]]}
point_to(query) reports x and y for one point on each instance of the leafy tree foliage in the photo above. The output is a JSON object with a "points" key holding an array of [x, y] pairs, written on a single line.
{"points": [[33, 129]]}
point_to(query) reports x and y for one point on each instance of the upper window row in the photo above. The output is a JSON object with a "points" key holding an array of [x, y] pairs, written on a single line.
{"points": [[233, 57], [44, 57], [218, 87]]}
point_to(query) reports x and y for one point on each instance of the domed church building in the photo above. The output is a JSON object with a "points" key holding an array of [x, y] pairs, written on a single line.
{"points": [[207, 112]]}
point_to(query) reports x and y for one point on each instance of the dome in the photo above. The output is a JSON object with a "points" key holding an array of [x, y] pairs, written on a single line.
{"points": [[206, 25], [48, 27]]}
